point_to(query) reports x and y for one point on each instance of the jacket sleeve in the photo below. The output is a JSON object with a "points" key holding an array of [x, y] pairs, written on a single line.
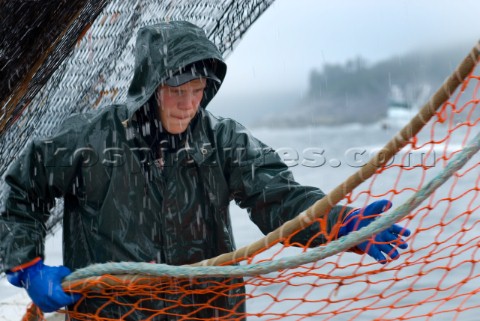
{"points": [[262, 183], [43, 172]]}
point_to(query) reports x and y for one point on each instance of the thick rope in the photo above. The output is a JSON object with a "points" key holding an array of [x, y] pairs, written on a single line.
{"points": [[126, 269], [323, 206]]}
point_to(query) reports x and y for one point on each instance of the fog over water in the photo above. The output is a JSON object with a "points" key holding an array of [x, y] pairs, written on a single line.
{"points": [[269, 69]]}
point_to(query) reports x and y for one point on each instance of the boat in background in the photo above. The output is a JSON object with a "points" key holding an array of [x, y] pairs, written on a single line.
{"points": [[404, 103]]}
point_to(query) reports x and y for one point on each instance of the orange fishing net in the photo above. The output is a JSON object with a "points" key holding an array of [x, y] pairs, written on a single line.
{"points": [[436, 278]]}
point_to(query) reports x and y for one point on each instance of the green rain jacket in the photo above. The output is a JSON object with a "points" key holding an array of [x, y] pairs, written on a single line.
{"points": [[124, 202]]}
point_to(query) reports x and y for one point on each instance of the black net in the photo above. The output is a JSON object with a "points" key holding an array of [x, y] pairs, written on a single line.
{"points": [[64, 57], [36, 37]]}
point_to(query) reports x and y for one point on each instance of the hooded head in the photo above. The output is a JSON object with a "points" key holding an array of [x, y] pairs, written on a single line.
{"points": [[172, 53], [202, 69]]}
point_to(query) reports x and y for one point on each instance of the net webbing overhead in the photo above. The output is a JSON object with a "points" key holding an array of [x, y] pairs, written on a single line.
{"points": [[68, 57]]}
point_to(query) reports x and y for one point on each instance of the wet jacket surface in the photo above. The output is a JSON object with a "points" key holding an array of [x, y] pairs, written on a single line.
{"points": [[127, 199]]}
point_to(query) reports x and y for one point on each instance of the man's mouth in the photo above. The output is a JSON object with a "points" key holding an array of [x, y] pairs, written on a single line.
{"points": [[181, 118]]}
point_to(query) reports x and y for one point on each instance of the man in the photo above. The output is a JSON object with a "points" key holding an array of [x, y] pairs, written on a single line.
{"points": [[151, 181]]}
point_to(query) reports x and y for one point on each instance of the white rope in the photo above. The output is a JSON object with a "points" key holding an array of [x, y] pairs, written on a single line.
{"points": [[344, 243]]}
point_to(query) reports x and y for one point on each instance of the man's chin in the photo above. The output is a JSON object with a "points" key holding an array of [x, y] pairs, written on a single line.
{"points": [[175, 129]]}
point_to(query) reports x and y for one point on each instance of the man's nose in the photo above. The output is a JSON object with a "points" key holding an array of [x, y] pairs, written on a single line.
{"points": [[188, 102]]}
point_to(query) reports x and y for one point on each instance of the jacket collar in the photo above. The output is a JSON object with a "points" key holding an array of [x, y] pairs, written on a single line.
{"points": [[200, 144]]}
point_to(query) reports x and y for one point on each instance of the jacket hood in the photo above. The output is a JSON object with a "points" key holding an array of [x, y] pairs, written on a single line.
{"points": [[165, 48]]}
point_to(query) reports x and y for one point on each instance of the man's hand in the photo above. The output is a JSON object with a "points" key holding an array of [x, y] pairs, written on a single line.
{"points": [[43, 285], [382, 243]]}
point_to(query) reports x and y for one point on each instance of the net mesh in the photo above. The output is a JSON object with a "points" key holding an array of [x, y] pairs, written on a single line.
{"points": [[36, 38], [435, 279]]}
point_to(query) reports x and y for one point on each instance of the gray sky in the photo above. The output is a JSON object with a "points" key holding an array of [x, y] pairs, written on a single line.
{"points": [[294, 36]]}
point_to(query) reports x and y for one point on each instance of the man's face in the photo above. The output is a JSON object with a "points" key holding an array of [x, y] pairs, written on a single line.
{"points": [[178, 105]]}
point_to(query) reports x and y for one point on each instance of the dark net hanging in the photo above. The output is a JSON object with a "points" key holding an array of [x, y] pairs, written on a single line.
{"points": [[64, 57]]}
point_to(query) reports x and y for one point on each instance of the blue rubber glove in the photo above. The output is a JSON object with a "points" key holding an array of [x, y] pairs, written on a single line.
{"points": [[43, 285], [385, 242]]}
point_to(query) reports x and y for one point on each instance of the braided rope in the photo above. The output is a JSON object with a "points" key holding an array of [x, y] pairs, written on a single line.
{"points": [[323, 206], [129, 269]]}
